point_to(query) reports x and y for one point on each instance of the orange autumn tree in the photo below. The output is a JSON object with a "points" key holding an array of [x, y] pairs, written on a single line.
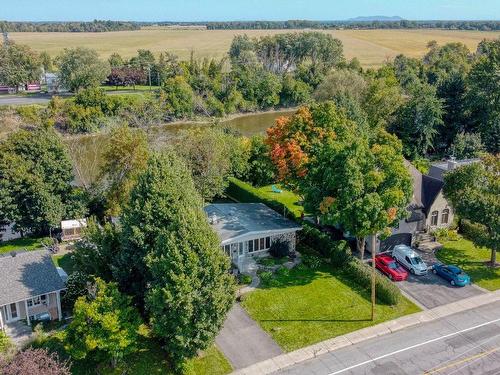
{"points": [[347, 174], [292, 141]]}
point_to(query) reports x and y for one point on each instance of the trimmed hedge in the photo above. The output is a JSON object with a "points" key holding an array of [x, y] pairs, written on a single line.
{"points": [[246, 193], [386, 291], [338, 252], [471, 230]]}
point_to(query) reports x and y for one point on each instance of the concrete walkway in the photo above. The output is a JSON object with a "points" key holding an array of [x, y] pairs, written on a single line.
{"points": [[19, 332], [243, 342], [285, 360]]}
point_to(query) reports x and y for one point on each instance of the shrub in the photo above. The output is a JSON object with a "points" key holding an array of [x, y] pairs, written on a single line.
{"points": [[266, 277], [337, 251], [283, 272], [386, 291], [280, 248], [244, 279], [5, 343], [34, 362], [445, 234], [471, 230], [311, 261]]}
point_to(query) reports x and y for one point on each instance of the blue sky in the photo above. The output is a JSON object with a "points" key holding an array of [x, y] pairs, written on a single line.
{"points": [[210, 10]]}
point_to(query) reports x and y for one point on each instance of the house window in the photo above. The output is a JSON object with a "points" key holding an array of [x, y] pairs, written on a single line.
{"points": [[444, 216], [268, 242], [434, 217], [36, 301], [250, 246], [227, 250], [240, 248]]}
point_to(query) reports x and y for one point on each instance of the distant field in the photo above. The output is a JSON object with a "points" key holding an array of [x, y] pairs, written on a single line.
{"points": [[371, 47]]}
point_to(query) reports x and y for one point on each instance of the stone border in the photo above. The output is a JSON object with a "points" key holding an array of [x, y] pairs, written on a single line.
{"points": [[289, 359]]}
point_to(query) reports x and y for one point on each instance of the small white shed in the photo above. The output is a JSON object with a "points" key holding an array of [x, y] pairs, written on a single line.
{"points": [[73, 229]]}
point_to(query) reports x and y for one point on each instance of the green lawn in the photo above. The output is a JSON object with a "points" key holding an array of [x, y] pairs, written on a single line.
{"points": [[472, 260], [148, 360], [65, 262], [22, 244], [310, 306], [286, 197]]}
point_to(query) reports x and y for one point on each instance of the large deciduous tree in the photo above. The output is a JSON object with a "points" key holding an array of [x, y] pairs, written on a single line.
{"points": [[125, 156], [104, 324], [81, 68], [474, 192], [171, 259], [35, 181], [347, 176], [212, 155], [19, 65]]}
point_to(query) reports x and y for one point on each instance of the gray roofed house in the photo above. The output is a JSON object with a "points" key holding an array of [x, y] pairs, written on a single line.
{"points": [[30, 287], [248, 229]]}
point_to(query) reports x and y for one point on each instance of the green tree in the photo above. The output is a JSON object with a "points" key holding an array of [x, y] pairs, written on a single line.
{"points": [[104, 325], [19, 65], [173, 260], [46, 61], [35, 181], [473, 191], [212, 155], [418, 121], [116, 61], [483, 95], [466, 146], [95, 253], [261, 170], [177, 97], [81, 68], [124, 158], [341, 83]]}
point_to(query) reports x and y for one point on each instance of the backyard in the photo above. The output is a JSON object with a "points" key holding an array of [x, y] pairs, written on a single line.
{"points": [[472, 260], [26, 243], [308, 306]]}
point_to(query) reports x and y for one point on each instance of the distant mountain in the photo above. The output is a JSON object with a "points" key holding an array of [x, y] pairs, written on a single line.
{"points": [[375, 18]]}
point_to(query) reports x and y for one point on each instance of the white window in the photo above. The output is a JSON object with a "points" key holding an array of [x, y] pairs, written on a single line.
{"points": [[37, 301], [259, 244], [434, 218], [445, 216]]}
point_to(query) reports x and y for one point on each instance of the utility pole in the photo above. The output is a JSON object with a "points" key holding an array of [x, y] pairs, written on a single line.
{"points": [[149, 70]]}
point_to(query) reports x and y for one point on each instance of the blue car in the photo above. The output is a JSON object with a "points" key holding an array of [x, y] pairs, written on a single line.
{"points": [[450, 273]]}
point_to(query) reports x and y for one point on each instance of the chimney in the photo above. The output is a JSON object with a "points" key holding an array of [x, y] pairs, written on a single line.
{"points": [[452, 163], [213, 219]]}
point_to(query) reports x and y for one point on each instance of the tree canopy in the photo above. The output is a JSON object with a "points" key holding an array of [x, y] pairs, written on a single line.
{"points": [[19, 65]]}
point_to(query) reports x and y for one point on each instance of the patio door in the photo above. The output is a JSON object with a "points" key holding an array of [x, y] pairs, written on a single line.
{"points": [[12, 311]]}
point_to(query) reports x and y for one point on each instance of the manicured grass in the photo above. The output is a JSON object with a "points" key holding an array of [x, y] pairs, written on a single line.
{"points": [[371, 47], [23, 244], [309, 306], [150, 359], [472, 260], [286, 197], [65, 262], [245, 193]]}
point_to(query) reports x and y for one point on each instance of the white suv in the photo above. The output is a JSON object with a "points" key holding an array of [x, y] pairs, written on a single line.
{"points": [[409, 259]]}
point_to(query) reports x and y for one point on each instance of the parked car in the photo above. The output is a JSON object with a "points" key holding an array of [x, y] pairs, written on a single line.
{"points": [[451, 273], [388, 266], [409, 259]]}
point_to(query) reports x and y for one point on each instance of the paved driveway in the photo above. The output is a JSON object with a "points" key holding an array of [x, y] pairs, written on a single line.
{"points": [[431, 290], [243, 342]]}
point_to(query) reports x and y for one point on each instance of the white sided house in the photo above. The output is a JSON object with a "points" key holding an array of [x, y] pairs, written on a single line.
{"points": [[247, 230], [30, 288]]}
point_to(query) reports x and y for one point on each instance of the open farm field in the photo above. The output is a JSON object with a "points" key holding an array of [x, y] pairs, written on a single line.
{"points": [[371, 47]]}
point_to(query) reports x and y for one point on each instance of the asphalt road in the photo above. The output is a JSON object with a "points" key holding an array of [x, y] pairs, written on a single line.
{"points": [[464, 343], [23, 100]]}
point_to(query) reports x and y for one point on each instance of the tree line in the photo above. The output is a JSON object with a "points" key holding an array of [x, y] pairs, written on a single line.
{"points": [[95, 26], [400, 24]]}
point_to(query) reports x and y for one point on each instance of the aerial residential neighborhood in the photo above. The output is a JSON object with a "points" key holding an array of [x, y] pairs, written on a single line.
{"points": [[261, 187]]}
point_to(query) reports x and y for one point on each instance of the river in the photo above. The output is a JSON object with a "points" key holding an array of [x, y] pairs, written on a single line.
{"points": [[86, 150]]}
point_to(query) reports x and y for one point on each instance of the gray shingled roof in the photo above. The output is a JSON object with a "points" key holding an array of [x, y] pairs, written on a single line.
{"points": [[232, 220], [27, 274]]}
